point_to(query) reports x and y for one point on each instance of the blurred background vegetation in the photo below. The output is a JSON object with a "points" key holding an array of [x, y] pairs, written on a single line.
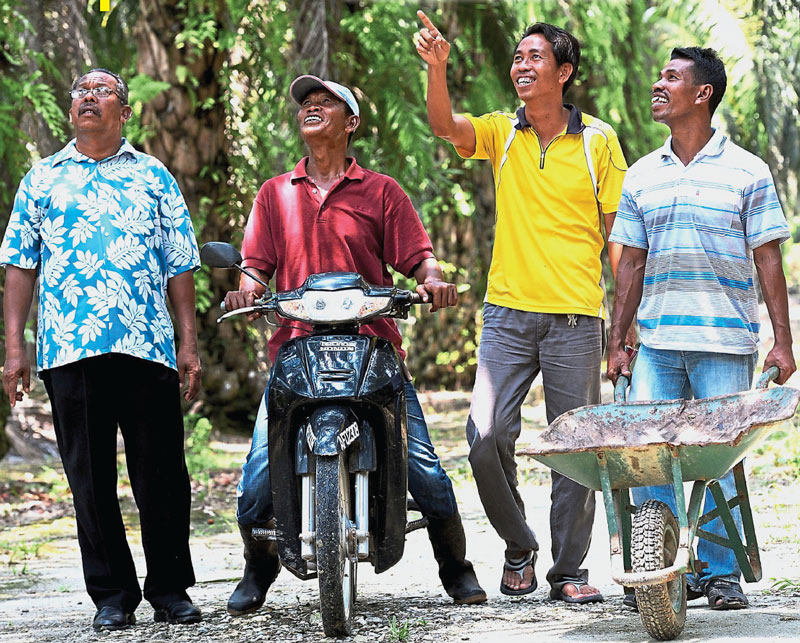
{"points": [[209, 82]]}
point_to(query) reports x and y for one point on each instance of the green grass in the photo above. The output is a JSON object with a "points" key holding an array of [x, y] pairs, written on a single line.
{"points": [[777, 460], [401, 630], [784, 586], [16, 554]]}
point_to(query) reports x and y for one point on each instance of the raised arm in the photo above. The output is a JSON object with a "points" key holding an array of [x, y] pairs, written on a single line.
{"points": [[434, 50]]}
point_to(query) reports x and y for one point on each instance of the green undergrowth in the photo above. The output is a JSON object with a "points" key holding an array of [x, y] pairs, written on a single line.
{"points": [[777, 460]]}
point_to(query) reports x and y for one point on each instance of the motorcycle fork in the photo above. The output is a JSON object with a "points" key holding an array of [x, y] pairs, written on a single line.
{"points": [[362, 514], [308, 545], [308, 548]]}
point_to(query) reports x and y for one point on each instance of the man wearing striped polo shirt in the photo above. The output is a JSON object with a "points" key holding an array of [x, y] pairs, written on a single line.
{"points": [[695, 215]]}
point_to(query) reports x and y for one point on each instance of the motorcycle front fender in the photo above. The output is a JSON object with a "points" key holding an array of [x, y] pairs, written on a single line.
{"points": [[331, 430]]}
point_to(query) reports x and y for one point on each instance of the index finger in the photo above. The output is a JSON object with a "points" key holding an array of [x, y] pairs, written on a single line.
{"points": [[427, 22]]}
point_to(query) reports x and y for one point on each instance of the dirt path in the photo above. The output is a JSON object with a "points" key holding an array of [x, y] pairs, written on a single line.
{"points": [[43, 600], [50, 604]]}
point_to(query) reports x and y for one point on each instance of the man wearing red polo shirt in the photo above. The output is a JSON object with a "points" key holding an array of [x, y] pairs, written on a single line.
{"points": [[330, 214]]}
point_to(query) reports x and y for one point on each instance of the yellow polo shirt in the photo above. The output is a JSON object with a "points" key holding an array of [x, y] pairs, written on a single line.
{"points": [[548, 236]]}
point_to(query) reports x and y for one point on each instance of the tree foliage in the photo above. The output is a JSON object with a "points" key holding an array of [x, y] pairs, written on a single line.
{"points": [[209, 88]]}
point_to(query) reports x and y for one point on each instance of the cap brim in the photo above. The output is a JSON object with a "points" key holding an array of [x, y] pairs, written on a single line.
{"points": [[302, 86]]}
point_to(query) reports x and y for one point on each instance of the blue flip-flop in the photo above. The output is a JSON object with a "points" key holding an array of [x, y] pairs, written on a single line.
{"points": [[518, 566]]}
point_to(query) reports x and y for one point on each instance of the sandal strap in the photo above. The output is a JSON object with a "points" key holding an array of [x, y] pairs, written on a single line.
{"points": [[725, 589], [721, 584], [519, 564], [578, 582]]}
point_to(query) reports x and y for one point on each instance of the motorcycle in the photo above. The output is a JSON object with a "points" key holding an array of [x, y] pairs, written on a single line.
{"points": [[338, 449]]}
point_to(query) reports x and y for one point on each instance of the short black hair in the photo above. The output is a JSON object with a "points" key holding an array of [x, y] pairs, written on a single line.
{"points": [[566, 47], [122, 86], [707, 69]]}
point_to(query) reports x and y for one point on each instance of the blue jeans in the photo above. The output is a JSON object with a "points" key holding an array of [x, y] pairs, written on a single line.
{"points": [[427, 481], [669, 375]]}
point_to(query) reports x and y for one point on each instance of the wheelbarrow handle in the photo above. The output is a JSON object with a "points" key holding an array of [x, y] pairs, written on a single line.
{"points": [[620, 388], [770, 375]]}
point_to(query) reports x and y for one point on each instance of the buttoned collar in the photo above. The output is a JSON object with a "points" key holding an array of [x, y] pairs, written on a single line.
{"points": [[70, 153], [574, 122], [714, 147], [354, 172]]}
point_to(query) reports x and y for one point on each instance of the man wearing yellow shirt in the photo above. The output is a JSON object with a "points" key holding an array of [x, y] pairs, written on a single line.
{"points": [[558, 176]]}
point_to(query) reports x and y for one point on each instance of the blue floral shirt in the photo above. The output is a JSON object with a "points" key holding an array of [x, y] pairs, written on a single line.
{"points": [[105, 237]]}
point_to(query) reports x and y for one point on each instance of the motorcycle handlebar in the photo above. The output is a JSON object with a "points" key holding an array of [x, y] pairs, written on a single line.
{"points": [[415, 298], [410, 296]]}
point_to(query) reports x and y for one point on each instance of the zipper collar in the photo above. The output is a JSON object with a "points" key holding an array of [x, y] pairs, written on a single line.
{"points": [[574, 122]]}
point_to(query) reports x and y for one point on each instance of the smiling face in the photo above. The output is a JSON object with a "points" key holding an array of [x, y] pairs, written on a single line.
{"points": [[99, 115], [675, 94], [534, 70], [325, 114]]}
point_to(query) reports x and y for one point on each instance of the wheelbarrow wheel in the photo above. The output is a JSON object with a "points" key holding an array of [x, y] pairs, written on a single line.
{"points": [[654, 545]]}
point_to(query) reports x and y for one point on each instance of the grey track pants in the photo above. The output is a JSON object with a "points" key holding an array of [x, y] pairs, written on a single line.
{"points": [[515, 346]]}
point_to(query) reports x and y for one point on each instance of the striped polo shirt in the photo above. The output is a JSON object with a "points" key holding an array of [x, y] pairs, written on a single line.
{"points": [[699, 224]]}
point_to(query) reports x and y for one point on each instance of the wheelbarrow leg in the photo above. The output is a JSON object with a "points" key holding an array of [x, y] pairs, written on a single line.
{"points": [[693, 516], [614, 517], [751, 543], [626, 510], [746, 552], [617, 503]]}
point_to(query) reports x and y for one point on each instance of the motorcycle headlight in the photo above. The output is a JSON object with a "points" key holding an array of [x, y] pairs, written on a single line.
{"points": [[333, 306]]}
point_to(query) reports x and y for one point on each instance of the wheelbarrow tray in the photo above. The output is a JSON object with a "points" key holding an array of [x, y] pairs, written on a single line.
{"points": [[638, 439]]}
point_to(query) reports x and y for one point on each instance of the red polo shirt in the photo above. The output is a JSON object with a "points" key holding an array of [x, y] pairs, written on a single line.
{"points": [[364, 224]]}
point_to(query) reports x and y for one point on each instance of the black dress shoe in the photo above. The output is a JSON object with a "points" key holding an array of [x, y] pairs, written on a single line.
{"points": [[112, 617], [178, 612]]}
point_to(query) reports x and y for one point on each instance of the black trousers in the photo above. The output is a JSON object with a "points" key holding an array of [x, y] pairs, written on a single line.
{"points": [[90, 398]]}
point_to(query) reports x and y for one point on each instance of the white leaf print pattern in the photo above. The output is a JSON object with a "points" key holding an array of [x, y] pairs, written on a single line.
{"points": [[99, 281], [133, 315], [91, 328], [100, 298], [133, 343], [87, 263], [82, 231], [63, 327], [179, 249], [54, 268], [125, 252], [133, 220], [53, 231], [70, 290]]}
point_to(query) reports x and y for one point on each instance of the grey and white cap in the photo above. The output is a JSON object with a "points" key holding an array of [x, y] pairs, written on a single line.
{"points": [[303, 85]]}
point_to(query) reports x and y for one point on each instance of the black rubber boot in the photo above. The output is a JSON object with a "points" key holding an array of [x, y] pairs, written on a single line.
{"points": [[260, 570], [450, 549]]}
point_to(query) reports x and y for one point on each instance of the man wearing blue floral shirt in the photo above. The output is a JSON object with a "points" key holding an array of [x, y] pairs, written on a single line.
{"points": [[107, 232]]}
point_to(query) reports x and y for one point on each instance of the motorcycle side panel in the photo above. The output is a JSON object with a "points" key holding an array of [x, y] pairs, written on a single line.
{"points": [[363, 373]]}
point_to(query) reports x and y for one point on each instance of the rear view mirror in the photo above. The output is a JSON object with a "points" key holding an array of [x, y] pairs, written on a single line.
{"points": [[218, 254]]}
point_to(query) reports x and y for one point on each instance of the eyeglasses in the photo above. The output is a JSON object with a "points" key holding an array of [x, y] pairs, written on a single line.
{"points": [[98, 92]]}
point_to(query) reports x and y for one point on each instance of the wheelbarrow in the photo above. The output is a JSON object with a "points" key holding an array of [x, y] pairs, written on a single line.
{"points": [[615, 447]]}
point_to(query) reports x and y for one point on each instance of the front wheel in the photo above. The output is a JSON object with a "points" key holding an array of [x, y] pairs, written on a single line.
{"points": [[654, 545], [335, 552]]}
